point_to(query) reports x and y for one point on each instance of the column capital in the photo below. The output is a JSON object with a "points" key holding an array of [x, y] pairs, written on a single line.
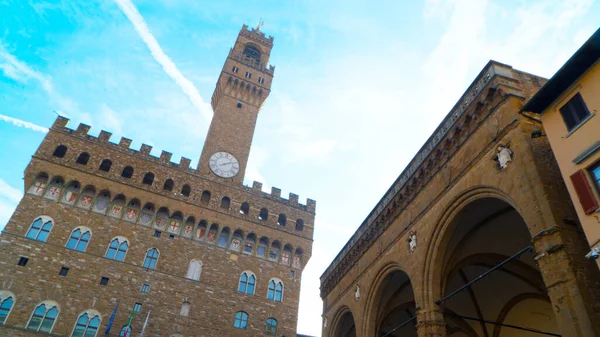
{"points": [[430, 323]]}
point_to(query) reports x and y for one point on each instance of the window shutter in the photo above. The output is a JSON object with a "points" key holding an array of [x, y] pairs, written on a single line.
{"points": [[584, 192]]}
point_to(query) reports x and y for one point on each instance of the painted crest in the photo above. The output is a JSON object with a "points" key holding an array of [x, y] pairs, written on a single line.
{"points": [[101, 205], [285, 258], [296, 262], [235, 244], [211, 236], [85, 201], [37, 188], [131, 214], [69, 197], [53, 192], [116, 210], [174, 226], [145, 218], [187, 230], [200, 233]]}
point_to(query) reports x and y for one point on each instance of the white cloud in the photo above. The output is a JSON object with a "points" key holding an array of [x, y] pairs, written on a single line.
{"points": [[258, 156], [159, 55], [20, 71], [23, 124]]}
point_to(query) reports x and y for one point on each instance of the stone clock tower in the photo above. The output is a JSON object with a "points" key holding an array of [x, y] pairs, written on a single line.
{"points": [[243, 86]]}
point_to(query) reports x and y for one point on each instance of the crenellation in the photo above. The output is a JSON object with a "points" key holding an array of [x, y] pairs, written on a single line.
{"points": [[293, 198], [60, 123], [311, 205], [82, 130], [276, 192], [146, 149], [125, 143], [104, 136], [184, 163], [165, 157], [257, 186]]}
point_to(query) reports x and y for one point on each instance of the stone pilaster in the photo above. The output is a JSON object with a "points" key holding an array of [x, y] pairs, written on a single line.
{"points": [[431, 323]]}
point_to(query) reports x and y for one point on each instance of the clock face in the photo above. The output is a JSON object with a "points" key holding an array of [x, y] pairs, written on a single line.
{"points": [[224, 164]]}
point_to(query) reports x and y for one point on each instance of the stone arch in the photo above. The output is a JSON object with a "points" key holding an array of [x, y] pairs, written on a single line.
{"points": [[512, 304], [343, 323], [480, 229], [374, 312]]}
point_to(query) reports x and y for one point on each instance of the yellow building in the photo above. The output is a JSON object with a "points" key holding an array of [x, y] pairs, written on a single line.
{"points": [[568, 104]]}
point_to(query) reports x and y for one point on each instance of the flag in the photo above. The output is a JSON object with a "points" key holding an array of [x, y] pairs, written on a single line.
{"points": [[145, 323], [128, 331], [110, 321]]}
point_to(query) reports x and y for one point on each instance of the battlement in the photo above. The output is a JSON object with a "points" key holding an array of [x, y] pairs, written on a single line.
{"points": [[252, 63], [256, 35], [103, 139]]}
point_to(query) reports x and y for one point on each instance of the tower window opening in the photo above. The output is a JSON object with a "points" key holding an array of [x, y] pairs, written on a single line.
{"points": [[61, 150], [148, 178], [235, 69], [127, 172], [239, 105], [248, 74], [83, 158], [252, 52], [261, 80]]}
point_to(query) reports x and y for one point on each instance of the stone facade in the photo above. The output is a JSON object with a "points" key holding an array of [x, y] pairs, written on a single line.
{"points": [[206, 230], [480, 191]]}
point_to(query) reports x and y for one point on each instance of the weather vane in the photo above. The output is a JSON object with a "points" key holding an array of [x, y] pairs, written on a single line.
{"points": [[260, 24]]}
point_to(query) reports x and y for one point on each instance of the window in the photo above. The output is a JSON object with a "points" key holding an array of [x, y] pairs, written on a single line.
{"points": [[43, 317], [249, 244], [586, 196], [40, 228], [151, 259], [6, 303], [225, 203], [263, 243], [104, 281], [248, 74], [83, 158], [117, 249], [127, 172], [125, 331], [292, 273], [145, 288], [245, 208], [60, 151], [235, 69], [137, 307], [271, 327], [23, 261], [157, 234], [185, 309], [282, 220], [148, 178], [171, 236], [168, 186], [63, 271], [247, 283], [252, 52], [105, 165], [274, 251], [239, 105], [205, 198], [574, 112], [224, 237], [595, 173], [275, 292], [263, 215], [79, 239], [87, 325], [299, 225], [241, 320], [261, 80], [194, 270], [186, 190]]}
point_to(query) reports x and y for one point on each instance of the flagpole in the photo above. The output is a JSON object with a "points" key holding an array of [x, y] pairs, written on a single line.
{"points": [[110, 321], [145, 323]]}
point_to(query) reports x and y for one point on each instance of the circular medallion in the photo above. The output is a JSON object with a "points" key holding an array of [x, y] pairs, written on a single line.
{"points": [[224, 164]]}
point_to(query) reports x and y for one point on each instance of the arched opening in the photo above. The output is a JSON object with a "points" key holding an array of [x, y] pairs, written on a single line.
{"points": [[148, 178], [168, 186], [205, 198], [479, 237], [105, 165], [127, 172], [263, 215], [252, 52], [245, 208], [394, 305], [83, 158], [345, 327], [186, 190], [281, 221], [60, 151], [225, 202]]}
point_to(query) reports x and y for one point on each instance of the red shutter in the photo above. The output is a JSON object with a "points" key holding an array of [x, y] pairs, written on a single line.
{"points": [[584, 192]]}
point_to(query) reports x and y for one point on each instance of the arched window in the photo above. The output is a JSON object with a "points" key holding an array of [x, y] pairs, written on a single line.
{"points": [[263, 215], [236, 240], [185, 309], [274, 251], [186, 190], [263, 244], [245, 208], [7, 300], [252, 52], [56, 186], [201, 230], [161, 219], [146, 215], [105, 165], [271, 327], [148, 178], [205, 198], [127, 172], [212, 233], [60, 151], [275, 292], [43, 317], [79, 239], [71, 192], [125, 331], [225, 202], [188, 228], [297, 259], [286, 255], [40, 228], [87, 325], [299, 224], [151, 258], [282, 220], [102, 202], [132, 211], [118, 204], [241, 320], [87, 197], [224, 237], [117, 249], [194, 270], [83, 158], [168, 186], [247, 283]]}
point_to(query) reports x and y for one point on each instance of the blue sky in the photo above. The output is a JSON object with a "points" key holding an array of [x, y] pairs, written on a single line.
{"points": [[359, 85]]}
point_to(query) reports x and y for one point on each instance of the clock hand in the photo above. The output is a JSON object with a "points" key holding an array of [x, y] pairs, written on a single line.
{"points": [[224, 164]]}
